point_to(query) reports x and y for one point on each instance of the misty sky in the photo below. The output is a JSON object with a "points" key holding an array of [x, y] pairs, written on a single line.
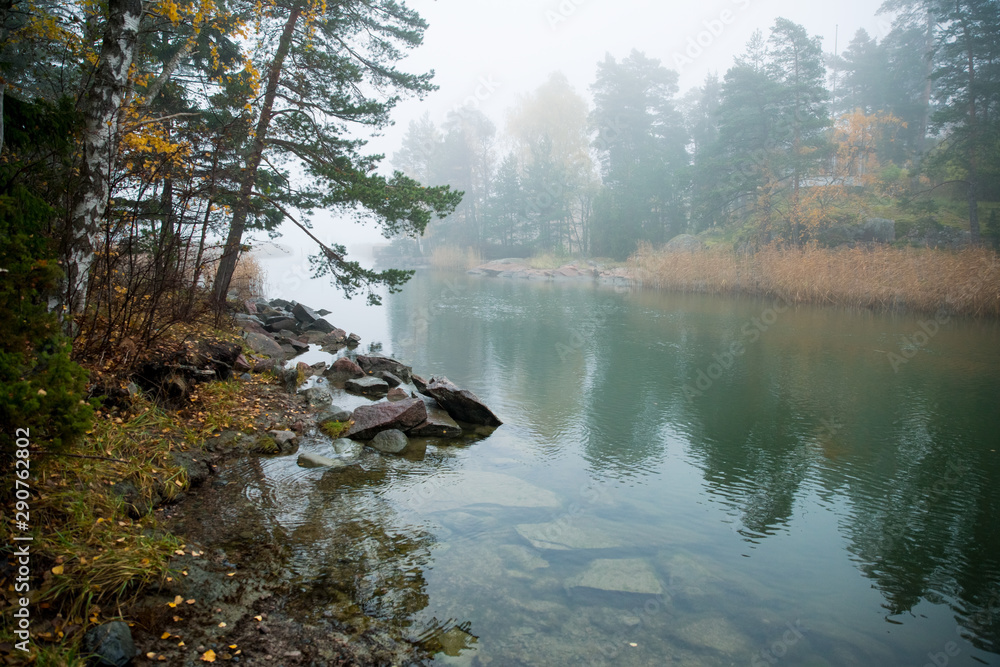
{"points": [[489, 52]]}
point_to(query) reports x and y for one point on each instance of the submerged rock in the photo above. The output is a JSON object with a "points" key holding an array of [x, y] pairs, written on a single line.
{"points": [[624, 575], [311, 460], [718, 634], [347, 448], [562, 536], [390, 441], [461, 404], [372, 419], [478, 488]]}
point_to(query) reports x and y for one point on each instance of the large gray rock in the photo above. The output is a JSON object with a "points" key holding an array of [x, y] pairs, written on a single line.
{"points": [[390, 379], [317, 396], [304, 314], [297, 345], [264, 344], [374, 364], [369, 386], [279, 322], [319, 325], [372, 419], [390, 441], [285, 440], [624, 575], [438, 424], [461, 404], [111, 643]]}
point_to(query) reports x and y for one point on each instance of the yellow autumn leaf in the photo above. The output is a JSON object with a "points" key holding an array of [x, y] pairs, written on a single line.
{"points": [[222, 624], [165, 635], [58, 569], [191, 601], [151, 655], [208, 656]]}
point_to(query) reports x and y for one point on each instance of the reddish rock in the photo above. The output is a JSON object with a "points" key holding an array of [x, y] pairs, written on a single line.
{"points": [[397, 394], [372, 419], [241, 365], [347, 368]]}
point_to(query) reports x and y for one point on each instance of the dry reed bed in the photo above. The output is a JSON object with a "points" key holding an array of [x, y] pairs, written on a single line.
{"points": [[883, 278], [453, 258]]}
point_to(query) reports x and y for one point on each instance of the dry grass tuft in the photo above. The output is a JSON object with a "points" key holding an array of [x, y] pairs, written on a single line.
{"points": [[882, 278], [454, 258]]}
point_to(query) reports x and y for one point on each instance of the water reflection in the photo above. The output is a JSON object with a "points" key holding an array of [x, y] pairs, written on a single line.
{"points": [[801, 416]]}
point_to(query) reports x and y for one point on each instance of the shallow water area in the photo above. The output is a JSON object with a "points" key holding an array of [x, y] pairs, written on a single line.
{"points": [[679, 479]]}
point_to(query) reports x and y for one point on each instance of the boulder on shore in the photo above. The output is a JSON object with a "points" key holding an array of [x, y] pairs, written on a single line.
{"points": [[438, 424], [343, 369], [372, 419], [264, 344], [461, 404], [373, 365], [369, 386]]}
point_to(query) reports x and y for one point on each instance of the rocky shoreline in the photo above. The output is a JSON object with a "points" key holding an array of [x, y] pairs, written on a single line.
{"points": [[232, 597], [513, 267]]}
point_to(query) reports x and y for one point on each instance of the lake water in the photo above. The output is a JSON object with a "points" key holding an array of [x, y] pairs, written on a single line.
{"points": [[681, 479]]}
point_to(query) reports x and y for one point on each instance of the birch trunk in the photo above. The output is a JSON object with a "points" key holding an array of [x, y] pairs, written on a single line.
{"points": [[102, 107]]}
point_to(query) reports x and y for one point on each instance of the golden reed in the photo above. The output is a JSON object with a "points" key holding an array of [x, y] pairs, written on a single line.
{"points": [[880, 277]]}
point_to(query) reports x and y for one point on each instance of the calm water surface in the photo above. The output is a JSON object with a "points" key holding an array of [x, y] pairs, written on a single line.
{"points": [[679, 479]]}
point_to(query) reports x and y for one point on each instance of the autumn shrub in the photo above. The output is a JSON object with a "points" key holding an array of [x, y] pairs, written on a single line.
{"points": [[249, 278]]}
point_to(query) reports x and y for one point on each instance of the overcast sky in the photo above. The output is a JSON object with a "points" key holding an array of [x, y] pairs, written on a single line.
{"points": [[488, 52]]}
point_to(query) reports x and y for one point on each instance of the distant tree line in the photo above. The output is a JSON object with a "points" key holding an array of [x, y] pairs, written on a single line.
{"points": [[790, 145]]}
